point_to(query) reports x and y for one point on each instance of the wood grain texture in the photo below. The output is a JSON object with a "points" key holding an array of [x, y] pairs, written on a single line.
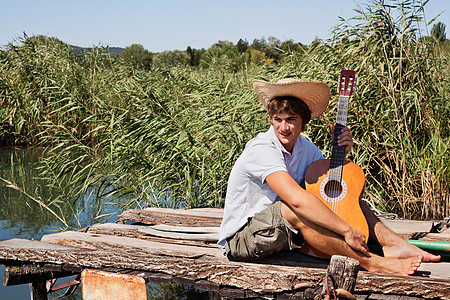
{"points": [[117, 247], [202, 263], [154, 216], [212, 217]]}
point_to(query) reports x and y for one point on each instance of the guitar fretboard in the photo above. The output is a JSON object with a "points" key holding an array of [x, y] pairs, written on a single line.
{"points": [[337, 154]]}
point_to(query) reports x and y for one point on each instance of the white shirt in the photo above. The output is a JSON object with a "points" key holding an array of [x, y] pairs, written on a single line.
{"points": [[247, 190]]}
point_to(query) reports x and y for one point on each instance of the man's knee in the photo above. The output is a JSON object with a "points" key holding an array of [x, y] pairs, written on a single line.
{"points": [[266, 233], [288, 214]]}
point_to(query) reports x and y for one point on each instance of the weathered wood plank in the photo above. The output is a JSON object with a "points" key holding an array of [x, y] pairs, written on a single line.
{"points": [[185, 217], [179, 262], [32, 244], [205, 212], [416, 230], [199, 217], [184, 229], [206, 285], [88, 241], [208, 264], [133, 231], [201, 263], [207, 237], [404, 226], [384, 284], [26, 274], [406, 281]]}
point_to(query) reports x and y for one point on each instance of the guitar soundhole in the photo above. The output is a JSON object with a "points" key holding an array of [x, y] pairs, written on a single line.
{"points": [[333, 189]]}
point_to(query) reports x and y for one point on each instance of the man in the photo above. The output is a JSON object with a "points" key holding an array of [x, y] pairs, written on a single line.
{"points": [[267, 208]]}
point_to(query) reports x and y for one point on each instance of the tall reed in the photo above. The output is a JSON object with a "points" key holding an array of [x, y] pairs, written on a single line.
{"points": [[169, 136], [399, 114]]}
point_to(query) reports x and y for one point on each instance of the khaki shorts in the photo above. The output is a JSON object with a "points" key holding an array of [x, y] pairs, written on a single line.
{"points": [[264, 234]]}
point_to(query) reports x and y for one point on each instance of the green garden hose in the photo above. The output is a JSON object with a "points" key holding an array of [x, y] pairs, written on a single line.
{"points": [[437, 248], [431, 245]]}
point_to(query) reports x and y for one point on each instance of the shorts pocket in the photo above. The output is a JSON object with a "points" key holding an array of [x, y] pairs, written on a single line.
{"points": [[268, 240], [241, 246]]}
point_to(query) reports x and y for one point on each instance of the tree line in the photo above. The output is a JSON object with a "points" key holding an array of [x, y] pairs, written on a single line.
{"points": [[260, 51], [235, 56]]}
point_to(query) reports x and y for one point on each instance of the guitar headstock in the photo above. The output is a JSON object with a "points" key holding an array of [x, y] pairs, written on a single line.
{"points": [[347, 83]]}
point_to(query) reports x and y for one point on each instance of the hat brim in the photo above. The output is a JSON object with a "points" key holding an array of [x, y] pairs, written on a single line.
{"points": [[315, 94]]}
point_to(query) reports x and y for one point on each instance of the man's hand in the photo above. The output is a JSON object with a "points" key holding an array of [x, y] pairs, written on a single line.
{"points": [[345, 139], [357, 241]]}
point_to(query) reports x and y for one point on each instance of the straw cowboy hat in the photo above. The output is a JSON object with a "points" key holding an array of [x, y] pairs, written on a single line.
{"points": [[315, 94]]}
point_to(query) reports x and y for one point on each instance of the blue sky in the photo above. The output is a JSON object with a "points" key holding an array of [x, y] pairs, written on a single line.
{"points": [[175, 24]]}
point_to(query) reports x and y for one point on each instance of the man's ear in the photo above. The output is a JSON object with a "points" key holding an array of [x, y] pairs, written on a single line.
{"points": [[270, 120]]}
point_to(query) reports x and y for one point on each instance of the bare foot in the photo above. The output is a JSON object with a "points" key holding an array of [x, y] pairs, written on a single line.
{"points": [[399, 266], [404, 250]]}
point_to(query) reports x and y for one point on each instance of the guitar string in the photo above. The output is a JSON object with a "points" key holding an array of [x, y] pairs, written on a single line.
{"points": [[337, 162], [335, 175]]}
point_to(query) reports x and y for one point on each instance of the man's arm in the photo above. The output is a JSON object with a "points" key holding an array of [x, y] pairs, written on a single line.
{"points": [[306, 205]]}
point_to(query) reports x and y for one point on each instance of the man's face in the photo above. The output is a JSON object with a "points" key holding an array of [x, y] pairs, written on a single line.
{"points": [[287, 128]]}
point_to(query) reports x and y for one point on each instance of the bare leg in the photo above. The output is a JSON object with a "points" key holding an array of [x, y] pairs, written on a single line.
{"points": [[393, 245], [331, 243]]}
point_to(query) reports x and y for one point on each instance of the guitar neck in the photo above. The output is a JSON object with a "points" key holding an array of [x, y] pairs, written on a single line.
{"points": [[342, 112], [337, 154]]}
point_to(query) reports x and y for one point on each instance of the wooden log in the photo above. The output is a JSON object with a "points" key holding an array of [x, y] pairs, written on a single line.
{"points": [[185, 279], [341, 276], [344, 271]]}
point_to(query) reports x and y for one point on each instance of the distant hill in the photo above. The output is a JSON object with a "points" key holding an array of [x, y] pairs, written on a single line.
{"points": [[113, 51]]}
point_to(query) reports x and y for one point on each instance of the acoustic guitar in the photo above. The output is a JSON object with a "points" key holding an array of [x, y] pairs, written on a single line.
{"points": [[339, 183]]}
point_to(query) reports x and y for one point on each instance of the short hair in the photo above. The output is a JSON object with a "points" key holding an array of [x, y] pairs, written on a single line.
{"points": [[289, 105]]}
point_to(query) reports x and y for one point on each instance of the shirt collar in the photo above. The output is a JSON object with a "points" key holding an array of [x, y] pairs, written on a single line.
{"points": [[296, 150]]}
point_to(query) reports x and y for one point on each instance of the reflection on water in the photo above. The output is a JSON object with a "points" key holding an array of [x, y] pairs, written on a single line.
{"points": [[22, 217]]}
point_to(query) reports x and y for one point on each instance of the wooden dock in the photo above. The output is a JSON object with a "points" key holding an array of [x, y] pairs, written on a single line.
{"points": [[161, 255]]}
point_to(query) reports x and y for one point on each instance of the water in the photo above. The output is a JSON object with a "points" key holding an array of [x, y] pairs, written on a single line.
{"points": [[23, 217], [16, 211]]}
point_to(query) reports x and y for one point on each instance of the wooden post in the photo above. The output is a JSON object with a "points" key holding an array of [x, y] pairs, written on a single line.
{"points": [[38, 290], [344, 271]]}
